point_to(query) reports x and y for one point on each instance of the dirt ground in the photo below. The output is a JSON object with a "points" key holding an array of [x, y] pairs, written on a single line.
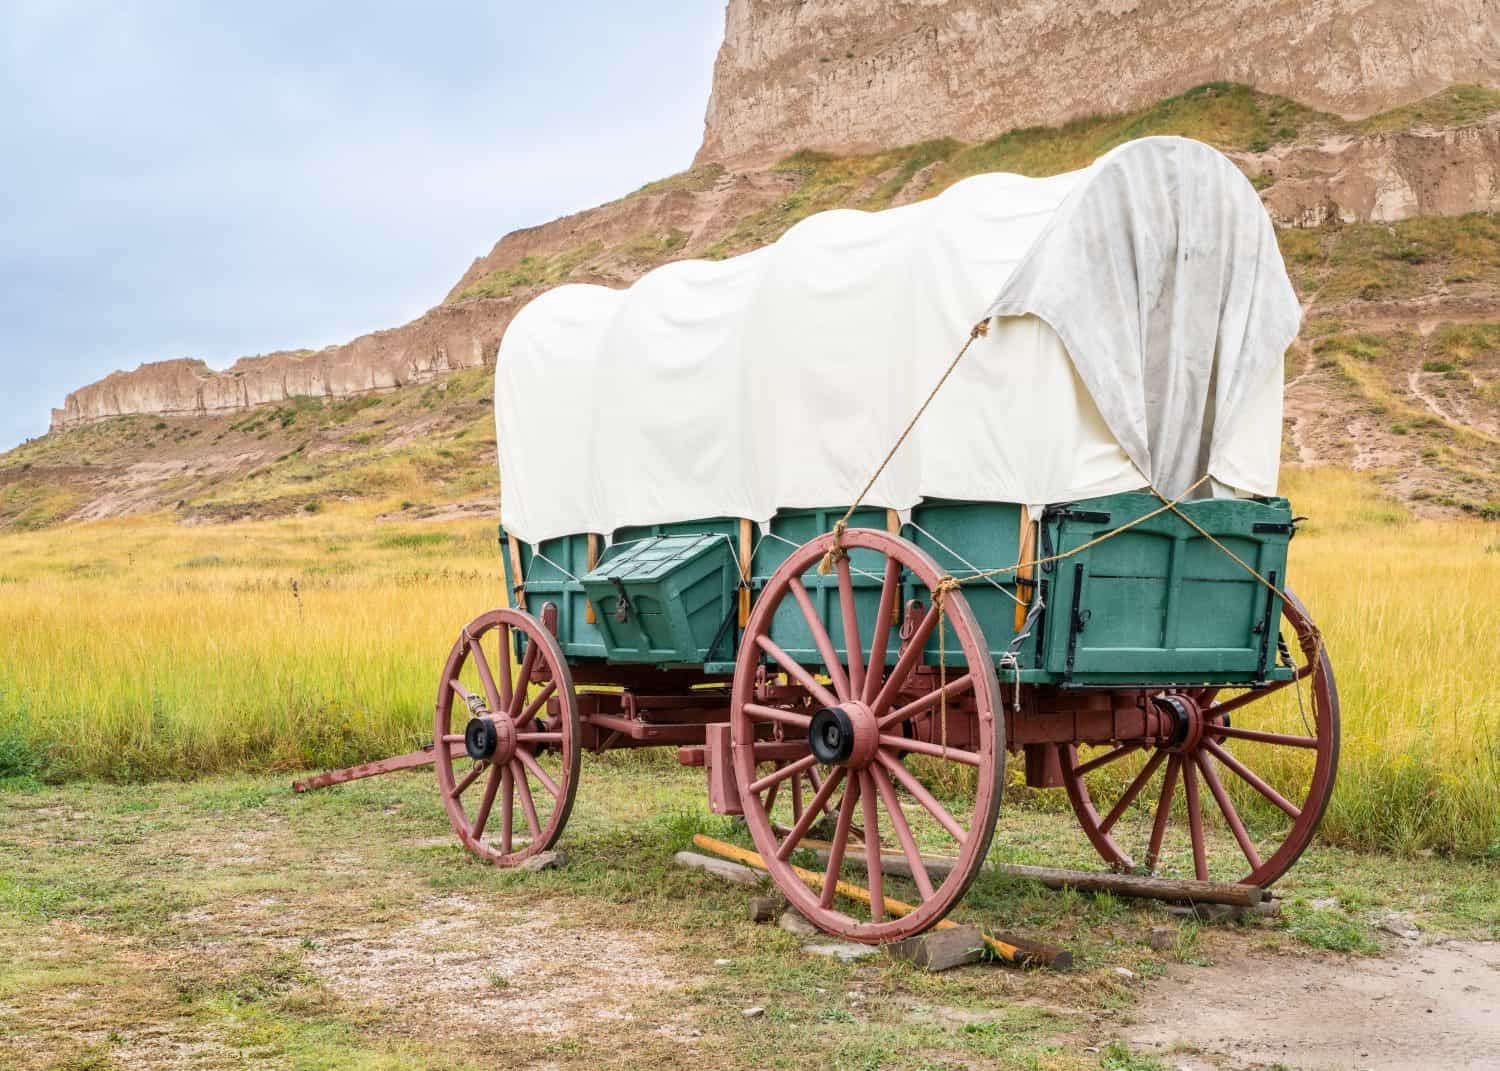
{"points": [[1421, 1006], [228, 923]]}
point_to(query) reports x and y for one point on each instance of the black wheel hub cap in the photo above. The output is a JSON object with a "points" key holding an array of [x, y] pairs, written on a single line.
{"points": [[831, 736], [480, 739]]}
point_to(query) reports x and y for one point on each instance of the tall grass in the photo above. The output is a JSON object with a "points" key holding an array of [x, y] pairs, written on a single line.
{"points": [[139, 648], [136, 648]]}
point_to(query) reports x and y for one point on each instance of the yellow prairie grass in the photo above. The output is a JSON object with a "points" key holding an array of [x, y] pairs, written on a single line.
{"points": [[141, 648]]}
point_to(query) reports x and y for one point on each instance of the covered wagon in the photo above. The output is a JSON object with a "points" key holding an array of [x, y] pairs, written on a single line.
{"points": [[850, 519]]}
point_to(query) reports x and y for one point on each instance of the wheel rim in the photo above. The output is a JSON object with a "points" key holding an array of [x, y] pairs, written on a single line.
{"points": [[898, 777], [506, 732], [1243, 795]]}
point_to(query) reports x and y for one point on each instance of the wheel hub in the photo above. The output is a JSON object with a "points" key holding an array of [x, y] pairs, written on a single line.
{"points": [[845, 735], [1186, 719], [491, 739]]}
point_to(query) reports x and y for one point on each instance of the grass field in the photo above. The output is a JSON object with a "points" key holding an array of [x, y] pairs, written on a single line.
{"points": [[227, 922], [139, 649]]}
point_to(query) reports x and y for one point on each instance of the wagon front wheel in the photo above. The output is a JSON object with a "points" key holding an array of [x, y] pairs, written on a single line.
{"points": [[909, 755], [506, 733]]}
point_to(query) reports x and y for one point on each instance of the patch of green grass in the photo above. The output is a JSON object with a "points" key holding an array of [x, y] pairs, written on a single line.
{"points": [[528, 272], [1454, 106], [415, 540]]}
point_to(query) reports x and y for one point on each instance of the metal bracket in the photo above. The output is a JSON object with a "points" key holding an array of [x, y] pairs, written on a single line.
{"points": [[623, 605]]}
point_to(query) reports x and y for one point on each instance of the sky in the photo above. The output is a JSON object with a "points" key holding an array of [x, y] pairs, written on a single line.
{"points": [[216, 180]]}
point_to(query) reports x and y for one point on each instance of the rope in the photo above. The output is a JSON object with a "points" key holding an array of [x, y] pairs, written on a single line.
{"points": [[837, 551], [1312, 634]]}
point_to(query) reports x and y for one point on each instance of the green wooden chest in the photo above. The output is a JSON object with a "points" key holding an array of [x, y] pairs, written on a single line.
{"points": [[666, 598]]}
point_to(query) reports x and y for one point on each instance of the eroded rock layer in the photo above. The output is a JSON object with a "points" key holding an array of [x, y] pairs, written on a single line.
{"points": [[850, 75]]}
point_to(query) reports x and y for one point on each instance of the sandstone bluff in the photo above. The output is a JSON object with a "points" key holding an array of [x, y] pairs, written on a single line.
{"points": [[853, 75]]}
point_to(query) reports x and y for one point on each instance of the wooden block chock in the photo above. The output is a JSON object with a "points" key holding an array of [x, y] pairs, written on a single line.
{"points": [[941, 950]]}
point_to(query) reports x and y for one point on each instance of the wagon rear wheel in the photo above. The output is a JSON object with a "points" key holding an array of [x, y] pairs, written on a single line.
{"points": [[1240, 797], [910, 761], [506, 731]]}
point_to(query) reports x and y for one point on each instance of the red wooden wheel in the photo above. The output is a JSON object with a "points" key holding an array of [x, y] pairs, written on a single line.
{"points": [[884, 765], [507, 740], [1278, 747]]}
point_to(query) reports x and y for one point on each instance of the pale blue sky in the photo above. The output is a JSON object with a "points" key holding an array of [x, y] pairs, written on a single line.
{"points": [[213, 180]]}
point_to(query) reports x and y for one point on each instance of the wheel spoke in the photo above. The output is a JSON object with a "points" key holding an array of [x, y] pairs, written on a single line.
{"points": [[482, 667], [502, 632], [903, 831], [469, 779], [922, 747], [1195, 820], [911, 654], [1250, 778], [1163, 812], [921, 795], [1108, 757], [453, 738], [821, 639], [890, 590], [523, 681], [931, 699], [1280, 739], [463, 693], [547, 692], [851, 631], [872, 849], [795, 670], [486, 803], [1226, 807], [786, 717], [797, 797], [528, 805], [507, 810], [529, 761], [840, 842], [1134, 790], [812, 814], [540, 738], [775, 777], [1244, 698]]}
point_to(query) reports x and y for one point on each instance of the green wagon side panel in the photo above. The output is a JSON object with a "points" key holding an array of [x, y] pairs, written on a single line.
{"points": [[966, 538], [790, 528], [550, 569], [1159, 603], [666, 598]]}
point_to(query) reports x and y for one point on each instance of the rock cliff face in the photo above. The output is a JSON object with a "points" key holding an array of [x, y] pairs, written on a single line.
{"points": [[446, 338], [854, 75], [1381, 177], [850, 75]]}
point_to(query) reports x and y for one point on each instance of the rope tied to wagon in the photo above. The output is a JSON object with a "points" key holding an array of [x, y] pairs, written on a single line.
{"points": [[836, 551]]}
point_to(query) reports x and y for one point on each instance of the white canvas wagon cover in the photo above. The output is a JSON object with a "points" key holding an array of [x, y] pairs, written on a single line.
{"points": [[1142, 311]]}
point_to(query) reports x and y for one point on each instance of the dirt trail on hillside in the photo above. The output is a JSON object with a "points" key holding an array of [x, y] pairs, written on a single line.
{"points": [[1435, 1007]]}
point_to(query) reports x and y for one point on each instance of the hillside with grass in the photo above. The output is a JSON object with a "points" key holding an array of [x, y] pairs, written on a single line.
{"points": [[1396, 375]]}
